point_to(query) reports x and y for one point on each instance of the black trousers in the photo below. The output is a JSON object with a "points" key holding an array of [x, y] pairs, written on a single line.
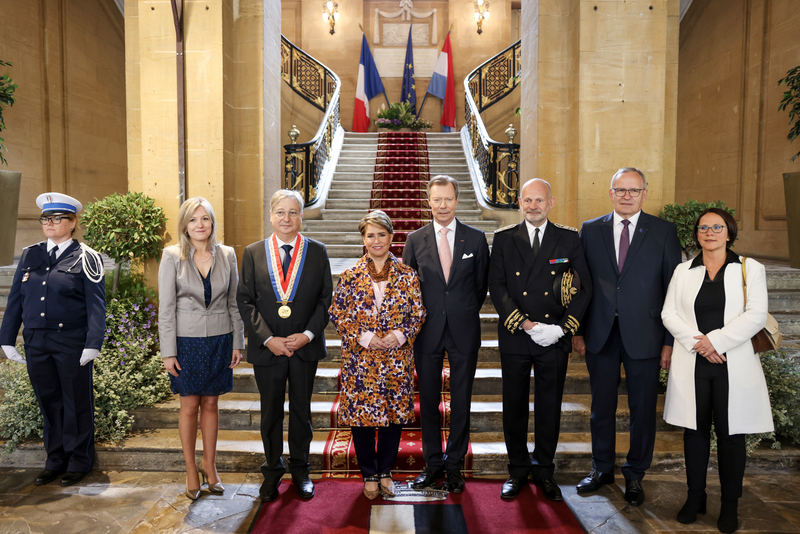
{"points": [[711, 396], [271, 382], [550, 372], [429, 365], [641, 377], [375, 458], [64, 391]]}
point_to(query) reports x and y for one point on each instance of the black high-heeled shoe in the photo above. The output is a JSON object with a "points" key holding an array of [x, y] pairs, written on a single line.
{"points": [[728, 516], [691, 508]]}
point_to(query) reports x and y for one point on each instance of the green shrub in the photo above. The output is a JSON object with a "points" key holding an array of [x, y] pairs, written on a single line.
{"points": [[124, 227], [782, 372], [7, 88], [685, 215], [128, 374], [791, 99], [398, 115]]}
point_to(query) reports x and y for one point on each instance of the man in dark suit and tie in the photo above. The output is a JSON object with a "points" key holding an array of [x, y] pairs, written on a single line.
{"points": [[452, 260], [284, 294], [631, 256], [532, 282]]}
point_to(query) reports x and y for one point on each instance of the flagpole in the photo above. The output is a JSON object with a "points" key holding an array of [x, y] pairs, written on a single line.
{"points": [[422, 105]]}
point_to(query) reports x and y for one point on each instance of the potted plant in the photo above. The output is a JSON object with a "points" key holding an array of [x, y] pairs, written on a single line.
{"points": [[791, 180], [9, 181], [399, 117], [684, 216]]}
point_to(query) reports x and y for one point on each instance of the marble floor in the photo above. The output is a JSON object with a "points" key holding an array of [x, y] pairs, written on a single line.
{"points": [[150, 502]]}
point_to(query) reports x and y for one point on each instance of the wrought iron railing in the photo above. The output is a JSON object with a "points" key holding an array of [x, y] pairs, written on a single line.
{"points": [[305, 163], [496, 163]]}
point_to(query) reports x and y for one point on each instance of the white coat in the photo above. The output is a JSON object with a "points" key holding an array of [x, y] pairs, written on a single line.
{"points": [[749, 410]]}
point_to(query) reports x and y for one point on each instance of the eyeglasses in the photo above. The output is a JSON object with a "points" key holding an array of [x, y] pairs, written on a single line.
{"points": [[281, 214], [704, 228], [634, 192], [55, 219], [439, 201]]}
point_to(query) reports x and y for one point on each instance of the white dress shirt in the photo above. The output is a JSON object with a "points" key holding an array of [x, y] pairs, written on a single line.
{"points": [[451, 235], [61, 247], [532, 231], [618, 226]]}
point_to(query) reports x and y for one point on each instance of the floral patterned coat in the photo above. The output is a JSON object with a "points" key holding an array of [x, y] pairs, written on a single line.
{"points": [[377, 386]]}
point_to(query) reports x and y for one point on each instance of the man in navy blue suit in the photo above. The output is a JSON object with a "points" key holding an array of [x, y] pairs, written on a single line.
{"points": [[631, 257]]}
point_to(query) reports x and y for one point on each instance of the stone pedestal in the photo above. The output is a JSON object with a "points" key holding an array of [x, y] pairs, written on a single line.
{"points": [[9, 207]]}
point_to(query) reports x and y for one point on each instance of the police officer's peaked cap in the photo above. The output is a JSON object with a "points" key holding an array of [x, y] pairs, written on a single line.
{"points": [[58, 203]]}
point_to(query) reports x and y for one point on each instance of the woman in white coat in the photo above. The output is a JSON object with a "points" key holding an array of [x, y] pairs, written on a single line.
{"points": [[714, 372]]}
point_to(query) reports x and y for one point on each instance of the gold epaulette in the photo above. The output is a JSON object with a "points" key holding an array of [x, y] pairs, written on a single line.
{"points": [[503, 229], [566, 227]]}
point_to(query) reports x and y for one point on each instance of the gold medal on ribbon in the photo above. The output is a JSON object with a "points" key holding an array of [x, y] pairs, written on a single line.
{"points": [[284, 312]]}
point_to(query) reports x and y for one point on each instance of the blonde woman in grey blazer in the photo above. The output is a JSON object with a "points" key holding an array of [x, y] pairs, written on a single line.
{"points": [[201, 333]]}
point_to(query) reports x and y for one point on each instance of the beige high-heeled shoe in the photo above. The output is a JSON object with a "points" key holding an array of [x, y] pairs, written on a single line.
{"points": [[213, 488], [193, 494]]}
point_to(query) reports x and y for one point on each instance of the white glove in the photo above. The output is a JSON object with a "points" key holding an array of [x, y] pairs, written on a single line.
{"points": [[12, 354], [89, 355], [545, 335]]}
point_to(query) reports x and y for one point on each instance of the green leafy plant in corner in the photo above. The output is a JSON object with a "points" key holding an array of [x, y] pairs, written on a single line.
{"points": [[398, 115], [7, 88], [685, 215], [124, 227], [791, 99]]}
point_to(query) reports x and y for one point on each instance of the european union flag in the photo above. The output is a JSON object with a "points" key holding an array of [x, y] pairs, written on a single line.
{"points": [[409, 82]]}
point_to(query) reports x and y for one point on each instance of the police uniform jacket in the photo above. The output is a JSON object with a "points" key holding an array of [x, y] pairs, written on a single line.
{"points": [[58, 296], [521, 287]]}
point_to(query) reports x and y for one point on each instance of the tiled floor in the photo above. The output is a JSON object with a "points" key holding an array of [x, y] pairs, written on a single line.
{"points": [[122, 502]]}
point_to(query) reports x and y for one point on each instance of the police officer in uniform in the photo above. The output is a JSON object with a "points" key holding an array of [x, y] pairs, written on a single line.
{"points": [[536, 272], [58, 292]]}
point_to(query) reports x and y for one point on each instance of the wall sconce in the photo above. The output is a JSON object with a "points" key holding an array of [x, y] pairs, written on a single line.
{"points": [[481, 13], [330, 13]]}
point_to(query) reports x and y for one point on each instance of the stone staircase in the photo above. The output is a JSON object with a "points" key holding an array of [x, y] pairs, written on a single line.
{"points": [[349, 196], [156, 444]]}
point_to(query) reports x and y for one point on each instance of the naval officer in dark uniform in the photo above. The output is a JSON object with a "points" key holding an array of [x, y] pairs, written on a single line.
{"points": [[541, 287], [58, 292]]}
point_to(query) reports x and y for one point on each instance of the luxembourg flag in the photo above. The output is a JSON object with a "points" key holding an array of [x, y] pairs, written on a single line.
{"points": [[442, 85], [369, 85]]}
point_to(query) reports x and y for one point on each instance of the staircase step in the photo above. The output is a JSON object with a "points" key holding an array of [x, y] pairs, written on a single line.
{"points": [[786, 301], [789, 324], [364, 204], [351, 224], [348, 215], [364, 194], [438, 166]]}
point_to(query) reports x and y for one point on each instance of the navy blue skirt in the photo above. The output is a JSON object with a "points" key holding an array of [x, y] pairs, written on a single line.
{"points": [[205, 366]]}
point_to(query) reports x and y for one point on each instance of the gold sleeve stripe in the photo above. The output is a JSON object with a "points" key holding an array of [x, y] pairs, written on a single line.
{"points": [[572, 324], [514, 320]]}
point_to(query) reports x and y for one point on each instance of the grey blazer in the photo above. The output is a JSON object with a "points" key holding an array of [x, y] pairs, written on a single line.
{"points": [[182, 311]]}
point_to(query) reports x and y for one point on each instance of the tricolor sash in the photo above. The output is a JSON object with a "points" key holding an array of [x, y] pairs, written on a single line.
{"points": [[285, 284]]}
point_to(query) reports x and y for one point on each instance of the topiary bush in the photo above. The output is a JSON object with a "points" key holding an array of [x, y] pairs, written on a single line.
{"points": [[124, 227]]}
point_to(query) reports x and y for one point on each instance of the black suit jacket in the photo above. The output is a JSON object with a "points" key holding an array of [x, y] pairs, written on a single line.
{"points": [[458, 302], [258, 304], [522, 288], [637, 294]]}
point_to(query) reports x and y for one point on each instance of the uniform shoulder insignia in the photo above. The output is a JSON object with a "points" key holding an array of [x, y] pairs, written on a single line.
{"points": [[35, 244], [503, 229], [566, 227]]}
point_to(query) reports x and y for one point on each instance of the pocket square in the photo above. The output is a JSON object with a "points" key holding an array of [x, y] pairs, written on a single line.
{"points": [[465, 256]]}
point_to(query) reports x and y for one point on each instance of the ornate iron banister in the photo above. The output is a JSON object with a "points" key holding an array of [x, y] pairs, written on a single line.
{"points": [[319, 86], [497, 163]]}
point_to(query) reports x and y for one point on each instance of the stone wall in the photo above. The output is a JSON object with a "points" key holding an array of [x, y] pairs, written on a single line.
{"points": [[731, 137], [66, 131]]}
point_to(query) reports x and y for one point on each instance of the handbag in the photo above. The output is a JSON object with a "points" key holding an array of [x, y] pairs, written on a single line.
{"points": [[769, 337]]}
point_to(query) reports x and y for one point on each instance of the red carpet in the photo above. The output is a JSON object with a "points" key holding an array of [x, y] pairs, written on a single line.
{"points": [[340, 508], [399, 183]]}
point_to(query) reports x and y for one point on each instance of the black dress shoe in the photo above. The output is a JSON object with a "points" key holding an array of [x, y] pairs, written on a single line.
{"points": [[634, 493], [269, 490], [70, 478], [728, 515], [47, 476], [303, 486], [694, 505], [512, 487], [426, 479], [594, 481], [551, 489], [455, 481]]}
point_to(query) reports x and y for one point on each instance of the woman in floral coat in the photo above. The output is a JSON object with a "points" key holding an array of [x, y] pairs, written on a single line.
{"points": [[377, 309]]}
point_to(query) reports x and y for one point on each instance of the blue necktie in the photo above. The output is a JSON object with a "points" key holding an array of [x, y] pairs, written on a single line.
{"points": [[287, 259], [53, 257]]}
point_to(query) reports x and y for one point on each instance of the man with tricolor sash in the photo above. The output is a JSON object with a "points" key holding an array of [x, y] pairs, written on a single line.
{"points": [[284, 294]]}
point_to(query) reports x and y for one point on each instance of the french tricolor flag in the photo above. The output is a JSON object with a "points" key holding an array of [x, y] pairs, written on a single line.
{"points": [[369, 85], [443, 85]]}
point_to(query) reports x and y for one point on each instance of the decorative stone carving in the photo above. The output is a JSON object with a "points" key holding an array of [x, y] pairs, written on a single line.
{"points": [[396, 34], [405, 12]]}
